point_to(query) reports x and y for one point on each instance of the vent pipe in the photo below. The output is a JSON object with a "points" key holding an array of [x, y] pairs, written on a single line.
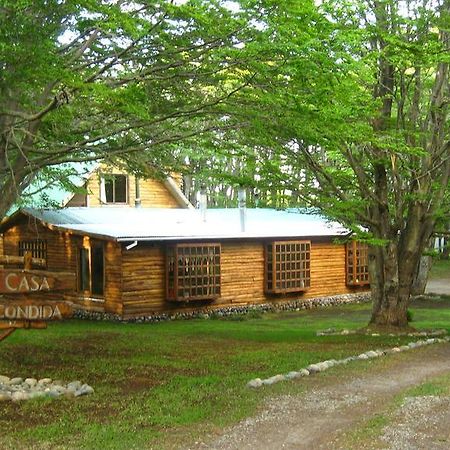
{"points": [[137, 200], [242, 203], [203, 202]]}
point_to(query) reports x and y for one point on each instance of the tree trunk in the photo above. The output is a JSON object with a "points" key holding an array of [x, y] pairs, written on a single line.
{"points": [[421, 278], [390, 293]]}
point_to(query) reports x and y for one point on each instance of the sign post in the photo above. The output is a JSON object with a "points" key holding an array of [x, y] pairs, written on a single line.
{"points": [[25, 312]]}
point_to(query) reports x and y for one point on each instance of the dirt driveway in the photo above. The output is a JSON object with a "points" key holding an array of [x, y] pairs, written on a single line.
{"points": [[330, 408], [441, 286]]}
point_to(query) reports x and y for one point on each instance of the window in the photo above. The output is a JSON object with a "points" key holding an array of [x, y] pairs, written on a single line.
{"points": [[193, 272], [357, 263], [114, 188], [37, 247], [287, 266], [91, 270]]}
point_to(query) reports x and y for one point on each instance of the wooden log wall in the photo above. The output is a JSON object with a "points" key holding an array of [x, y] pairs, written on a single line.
{"points": [[153, 193], [242, 277]]}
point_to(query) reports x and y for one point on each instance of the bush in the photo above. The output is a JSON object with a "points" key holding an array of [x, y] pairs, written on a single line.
{"points": [[409, 315]]}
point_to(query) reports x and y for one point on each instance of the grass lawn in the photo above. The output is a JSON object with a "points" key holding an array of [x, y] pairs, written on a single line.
{"points": [[440, 269], [160, 385]]}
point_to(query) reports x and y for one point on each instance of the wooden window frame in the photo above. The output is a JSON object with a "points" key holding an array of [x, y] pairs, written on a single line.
{"points": [[357, 264], [203, 280], [112, 176], [287, 266], [37, 247], [88, 292]]}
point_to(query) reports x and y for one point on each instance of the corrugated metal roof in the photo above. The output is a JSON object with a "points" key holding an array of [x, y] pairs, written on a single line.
{"points": [[152, 224]]}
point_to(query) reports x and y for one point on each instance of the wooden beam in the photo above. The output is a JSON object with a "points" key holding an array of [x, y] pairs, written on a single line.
{"points": [[14, 324], [8, 259], [7, 332]]}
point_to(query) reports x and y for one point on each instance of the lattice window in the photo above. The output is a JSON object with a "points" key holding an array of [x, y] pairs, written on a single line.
{"points": [[357, 263], [193, 272], [288, 266], [37, 247]]}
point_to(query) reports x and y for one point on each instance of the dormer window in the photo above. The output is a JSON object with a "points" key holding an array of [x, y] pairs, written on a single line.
{"points": [[114, 188]]}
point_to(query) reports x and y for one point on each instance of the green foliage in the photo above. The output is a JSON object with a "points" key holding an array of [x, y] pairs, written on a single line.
{"points": [[89, 80]]}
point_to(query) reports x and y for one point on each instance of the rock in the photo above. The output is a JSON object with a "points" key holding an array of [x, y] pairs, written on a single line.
{"points": [[5, 397], [363, 356], [304, 372], [30, 381], [372, 354], [86, 390], [273, 380], [256, 383], [45, 381], [292, 375], [4, 379], [395, 350], [19, 396], [15, 381], [313, 368], [74, 385], [51, 393]]}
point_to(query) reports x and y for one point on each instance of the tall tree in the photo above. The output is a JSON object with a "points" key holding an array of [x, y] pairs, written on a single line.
{"points": [[86, 80], [360, 108]]}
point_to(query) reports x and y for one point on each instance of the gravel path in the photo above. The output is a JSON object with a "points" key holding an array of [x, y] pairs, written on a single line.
{"points": [[317, 419], [441, 286]]}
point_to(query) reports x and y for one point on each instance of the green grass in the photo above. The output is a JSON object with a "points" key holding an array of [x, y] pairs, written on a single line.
{"points": [[167, 384], [440, 269]]}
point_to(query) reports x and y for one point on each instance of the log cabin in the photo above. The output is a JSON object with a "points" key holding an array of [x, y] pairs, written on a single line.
{"points": [[144, 261]]}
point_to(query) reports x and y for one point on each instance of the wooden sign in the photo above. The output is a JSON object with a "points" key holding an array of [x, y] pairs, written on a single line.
{"points": [[34, 311], [14, 324], [18, 281]]}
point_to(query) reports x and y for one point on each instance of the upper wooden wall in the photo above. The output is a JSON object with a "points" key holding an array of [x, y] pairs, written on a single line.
{"points": [[153, 192]]}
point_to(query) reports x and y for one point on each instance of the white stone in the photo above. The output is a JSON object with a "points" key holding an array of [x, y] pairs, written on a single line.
{"points": [[19, 396], [31, 381], [15, 381], [256, 383], [45, 381], [272, 380], [292, 375], [74, 385], [313, 368], [4, 379]]}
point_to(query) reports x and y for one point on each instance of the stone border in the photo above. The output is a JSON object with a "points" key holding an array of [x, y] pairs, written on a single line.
{"points": [[17, 389], [227, 311], [345, 332], [325, 365]]}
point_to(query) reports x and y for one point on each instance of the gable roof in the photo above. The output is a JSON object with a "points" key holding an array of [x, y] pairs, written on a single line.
{"points": [[76, 174], [161, 224]]}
